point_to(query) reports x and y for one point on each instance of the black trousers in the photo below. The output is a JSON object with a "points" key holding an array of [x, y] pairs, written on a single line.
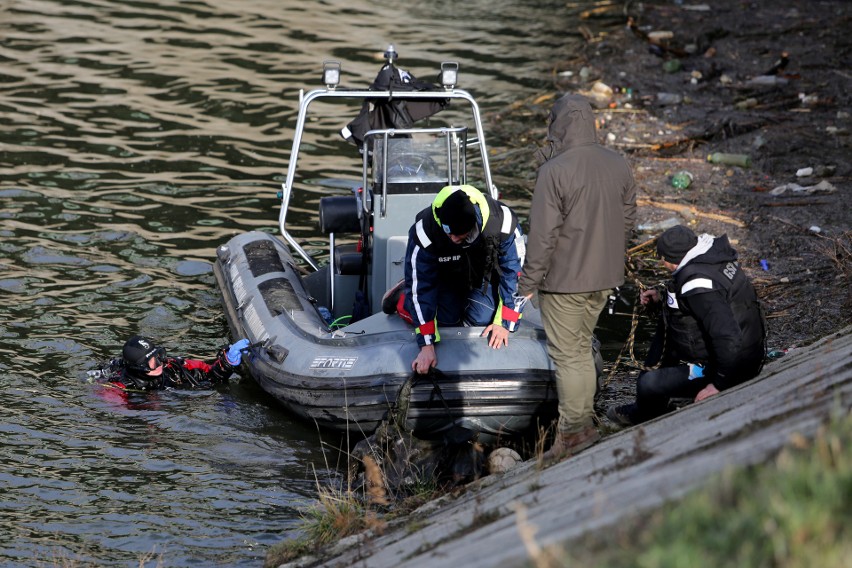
{"points": [[656, 388]]}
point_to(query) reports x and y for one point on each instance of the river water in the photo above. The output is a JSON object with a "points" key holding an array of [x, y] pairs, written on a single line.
{"points": [[134, 138]]}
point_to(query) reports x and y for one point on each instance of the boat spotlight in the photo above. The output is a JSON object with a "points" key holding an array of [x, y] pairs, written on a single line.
{"points": [[390, 54], [449, 74], [331, 73]]}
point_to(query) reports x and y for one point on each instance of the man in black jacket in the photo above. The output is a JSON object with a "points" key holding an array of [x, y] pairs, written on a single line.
{"points": [[712, 335]]}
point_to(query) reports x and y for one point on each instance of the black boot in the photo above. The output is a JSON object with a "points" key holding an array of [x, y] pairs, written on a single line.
{"points": [[391, 298], [623, 416]]}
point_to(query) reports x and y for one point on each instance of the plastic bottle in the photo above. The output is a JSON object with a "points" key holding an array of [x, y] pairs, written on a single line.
{"points": [[660, 226], [743, 160], [766, 81], [746, 104], [602, 89], [682, 179], [660, 35], [669, 98], [672, 66]]}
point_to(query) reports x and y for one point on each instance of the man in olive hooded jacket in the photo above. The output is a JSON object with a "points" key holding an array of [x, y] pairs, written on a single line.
{"points": [[582, 216]]}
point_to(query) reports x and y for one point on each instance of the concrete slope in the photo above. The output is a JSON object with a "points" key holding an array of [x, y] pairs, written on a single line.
{"points": [[628, 472]]}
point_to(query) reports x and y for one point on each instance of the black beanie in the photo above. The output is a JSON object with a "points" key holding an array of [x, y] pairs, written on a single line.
{"points": [[673, 245], [457, 213]]}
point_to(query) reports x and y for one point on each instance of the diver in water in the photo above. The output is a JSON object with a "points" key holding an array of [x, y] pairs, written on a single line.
{"points": [[144, 366]]}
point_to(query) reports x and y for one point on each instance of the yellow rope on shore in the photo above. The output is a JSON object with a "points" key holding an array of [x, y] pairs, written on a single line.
{"points": [[630, 342]]}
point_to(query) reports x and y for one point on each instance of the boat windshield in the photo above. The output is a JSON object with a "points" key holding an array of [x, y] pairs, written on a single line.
{"points": [[421, 156]]}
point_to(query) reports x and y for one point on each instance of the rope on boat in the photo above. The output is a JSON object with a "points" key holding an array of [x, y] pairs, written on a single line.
{"points": [[398, 413], [399, 410]]}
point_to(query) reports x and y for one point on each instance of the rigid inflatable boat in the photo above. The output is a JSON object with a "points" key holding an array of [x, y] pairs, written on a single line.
{"points": [[321, 344]]}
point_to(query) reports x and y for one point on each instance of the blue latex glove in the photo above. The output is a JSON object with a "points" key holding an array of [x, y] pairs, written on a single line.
{"points": [[235, 352], [695, 371]]}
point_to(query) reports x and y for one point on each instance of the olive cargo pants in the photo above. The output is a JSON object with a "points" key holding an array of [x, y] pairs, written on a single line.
{"points": [[569, 322]]}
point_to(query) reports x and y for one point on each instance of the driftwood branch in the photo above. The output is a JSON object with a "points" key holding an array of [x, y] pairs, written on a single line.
{"points": [[641, 246], [687, 211]]}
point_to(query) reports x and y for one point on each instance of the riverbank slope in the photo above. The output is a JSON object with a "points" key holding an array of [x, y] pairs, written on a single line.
{"points": [[500, 518]]}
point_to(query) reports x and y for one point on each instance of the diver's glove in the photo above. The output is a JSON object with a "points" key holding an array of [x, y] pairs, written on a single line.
{"points": [[234, 355]]}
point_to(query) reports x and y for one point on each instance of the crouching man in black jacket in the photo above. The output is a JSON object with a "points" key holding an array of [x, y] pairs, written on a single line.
{"points": [[712, 335]]}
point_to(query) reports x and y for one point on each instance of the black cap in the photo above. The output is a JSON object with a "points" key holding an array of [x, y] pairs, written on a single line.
{"points": [[457, 213], [673, 244], [138, 351]]}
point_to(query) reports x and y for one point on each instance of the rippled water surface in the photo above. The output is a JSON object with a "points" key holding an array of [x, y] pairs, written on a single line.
{"points": [[134, 138]]}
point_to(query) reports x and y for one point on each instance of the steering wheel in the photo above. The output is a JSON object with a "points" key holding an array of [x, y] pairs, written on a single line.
{"points": [[413, 165]]}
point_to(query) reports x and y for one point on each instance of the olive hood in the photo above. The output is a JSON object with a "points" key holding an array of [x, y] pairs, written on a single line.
{"points": [[571, 124]]}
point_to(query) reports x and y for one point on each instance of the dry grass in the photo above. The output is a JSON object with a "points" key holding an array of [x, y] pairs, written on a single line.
{"points": [[335, 514], [61, 558]]}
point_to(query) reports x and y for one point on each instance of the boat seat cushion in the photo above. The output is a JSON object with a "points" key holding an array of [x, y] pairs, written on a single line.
{"points": [[339, 214], [347, 260]]}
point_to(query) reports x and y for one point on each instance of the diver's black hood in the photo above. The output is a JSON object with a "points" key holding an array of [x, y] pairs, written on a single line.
{"points": [[138, 350]]}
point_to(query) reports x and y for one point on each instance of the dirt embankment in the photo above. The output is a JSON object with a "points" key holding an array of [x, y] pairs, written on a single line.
{"points": [[676, 82]]}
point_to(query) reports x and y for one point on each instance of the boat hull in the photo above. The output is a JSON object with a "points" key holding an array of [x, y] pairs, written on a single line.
{"points": [[354, 378]]}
